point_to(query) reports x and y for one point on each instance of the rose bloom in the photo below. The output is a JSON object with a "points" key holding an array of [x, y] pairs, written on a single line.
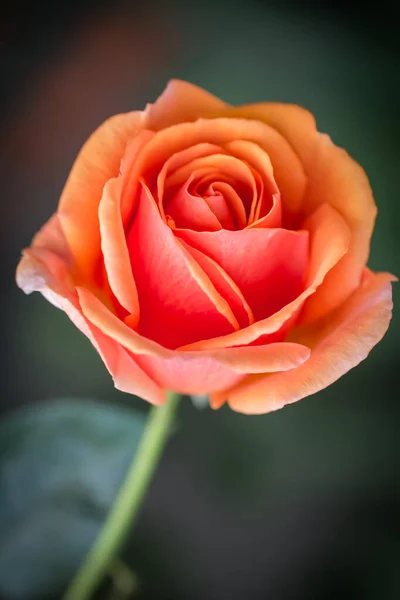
{"points": [[210, 249]]}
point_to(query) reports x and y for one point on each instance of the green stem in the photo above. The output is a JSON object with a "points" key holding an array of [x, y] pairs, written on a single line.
{"points": [[127, 503]]}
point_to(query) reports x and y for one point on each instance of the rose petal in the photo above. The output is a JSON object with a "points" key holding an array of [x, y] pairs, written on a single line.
{"points": [[220, 208], [181, 158], [288, 171], [337, 345], [259, 160], [175, 162], [273, 218], [181, 303], [201, 375], [329, 240], [221, 167], [294, 123], [268, 266], [191, 211], [180, 101], [233, 202], [205, 372], [43, 271], [334, 178], [115, 251], [98, 161], [191, 372], [127, 375], [47, 262], [339, 181], [224, 285]]}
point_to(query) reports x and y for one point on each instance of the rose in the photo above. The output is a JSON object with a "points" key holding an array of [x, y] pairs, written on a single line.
{"points": [[205, 248]]}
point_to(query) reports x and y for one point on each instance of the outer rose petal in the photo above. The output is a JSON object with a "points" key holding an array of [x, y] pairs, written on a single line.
{"points": [[338, 344], [338, 180], [293, 122], [181, 101], [98, 161], [191, 372], [44, 271], [189, 377], [47, 262], [127, 375], [215, 370]]}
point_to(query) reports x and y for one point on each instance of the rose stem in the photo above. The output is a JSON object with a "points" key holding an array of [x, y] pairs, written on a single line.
{"points": [[125, 508]]}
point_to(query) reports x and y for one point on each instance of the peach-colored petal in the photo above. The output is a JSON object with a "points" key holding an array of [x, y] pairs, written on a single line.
{"points": [[329, 237], [201, 375], [45, 268], [253, 155], [181, 158], [338, 180], [220, 207], [47, 262], [191, 211], [42, 271], [191, 372], [127, 375], [179, 299], [181, 101], [208, 287], [224, 285], [281, 356], [334, 178], [338, 344], [115, 251], [259, 160], [273, 218], [98, 161], [51, 237], [206, 372], [175, 162], [267, 265], [242, 359], [219, 166], [294, 123], [288, 171], [233, 201]]}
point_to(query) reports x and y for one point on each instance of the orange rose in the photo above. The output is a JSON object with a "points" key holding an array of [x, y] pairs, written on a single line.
{"points": [[205, 248]]}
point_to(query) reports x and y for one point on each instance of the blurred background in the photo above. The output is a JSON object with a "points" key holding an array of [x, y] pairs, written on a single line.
{"points": [[298, 504]]}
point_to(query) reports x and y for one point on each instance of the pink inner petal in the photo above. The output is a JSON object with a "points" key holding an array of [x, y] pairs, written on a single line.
{"points": [[225, 286], [269, 266], [191, 211], [181, 304], [218, 205]]}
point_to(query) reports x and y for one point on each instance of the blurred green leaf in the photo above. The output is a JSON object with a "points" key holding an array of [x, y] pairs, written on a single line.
{"points": [[61, 464]]}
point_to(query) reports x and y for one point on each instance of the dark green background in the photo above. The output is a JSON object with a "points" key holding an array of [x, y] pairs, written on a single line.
{"points": [[298, 504]]}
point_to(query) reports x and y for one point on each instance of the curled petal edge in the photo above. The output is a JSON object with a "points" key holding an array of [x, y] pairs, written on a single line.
{"points": [[338, 343]]}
